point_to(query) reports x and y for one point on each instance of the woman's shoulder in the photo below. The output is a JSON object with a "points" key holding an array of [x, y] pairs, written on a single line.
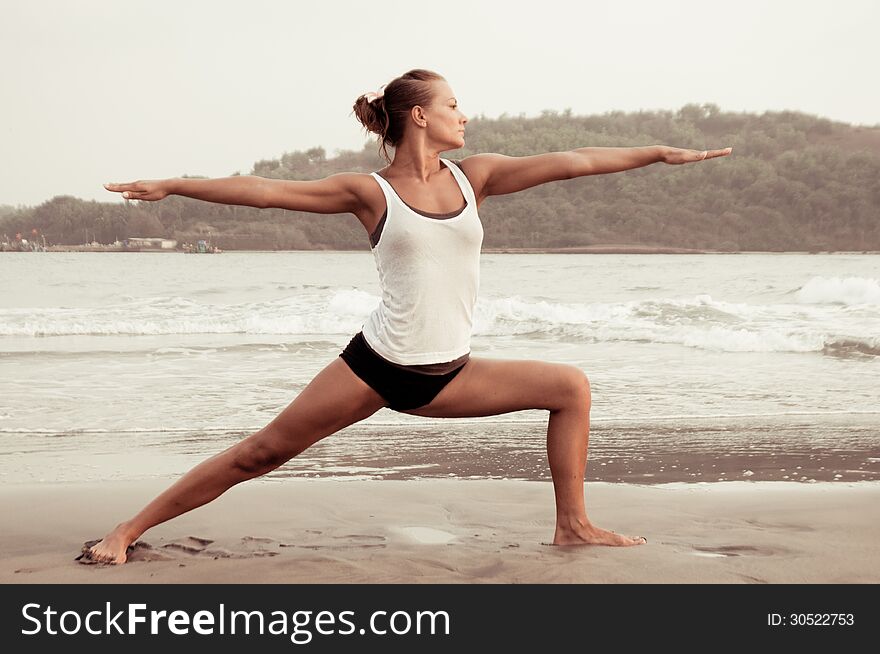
{"points": [[476, 168], [370, 198], [363, 185]]}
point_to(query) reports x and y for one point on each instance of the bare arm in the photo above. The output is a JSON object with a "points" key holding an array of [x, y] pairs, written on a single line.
{"points": [[339, 193], [598, 161], [498, 174], [246, 190]]}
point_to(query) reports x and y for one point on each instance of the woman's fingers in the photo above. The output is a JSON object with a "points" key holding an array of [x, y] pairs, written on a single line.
{"points": [[710, 154], [133, 190], [122, 188], [682, 156], [127, 186]]}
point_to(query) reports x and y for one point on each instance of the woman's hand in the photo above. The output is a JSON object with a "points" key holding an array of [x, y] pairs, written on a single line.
{"points": [[680, 156], [143, 190]]}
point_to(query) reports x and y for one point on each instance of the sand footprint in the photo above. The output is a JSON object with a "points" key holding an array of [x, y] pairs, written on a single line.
{"points": [[189, 544], [732, 550], [361, 537], [142, 551]]}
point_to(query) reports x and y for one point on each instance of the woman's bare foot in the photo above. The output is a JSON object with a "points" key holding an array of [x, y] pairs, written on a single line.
{"points": [[586, 534], [113, 547]]}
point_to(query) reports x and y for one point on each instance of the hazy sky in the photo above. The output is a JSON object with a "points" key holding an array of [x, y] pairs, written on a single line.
{"points": [[99, 90]]}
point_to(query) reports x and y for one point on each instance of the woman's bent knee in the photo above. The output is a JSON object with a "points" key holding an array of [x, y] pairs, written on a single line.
{"points": [[577, 387]]}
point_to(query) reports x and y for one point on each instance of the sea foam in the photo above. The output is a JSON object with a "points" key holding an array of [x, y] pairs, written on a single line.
{"points": [[840, 316]]}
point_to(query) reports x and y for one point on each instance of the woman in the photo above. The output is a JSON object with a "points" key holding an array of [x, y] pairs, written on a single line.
{"points": [[413, 354]]}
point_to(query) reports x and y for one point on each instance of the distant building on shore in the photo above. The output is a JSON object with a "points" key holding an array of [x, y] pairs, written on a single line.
{"points": [[145, 243]]}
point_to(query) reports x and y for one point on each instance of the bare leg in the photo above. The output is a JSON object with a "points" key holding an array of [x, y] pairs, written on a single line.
{"points": [[334, 399], [568, 435], [488, 387]]}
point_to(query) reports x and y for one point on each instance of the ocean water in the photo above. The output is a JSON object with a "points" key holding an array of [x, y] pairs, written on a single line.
{"points": [[704, 368]]}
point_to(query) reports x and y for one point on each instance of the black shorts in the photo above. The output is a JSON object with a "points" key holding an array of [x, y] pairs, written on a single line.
{"points": [[402, 389]]}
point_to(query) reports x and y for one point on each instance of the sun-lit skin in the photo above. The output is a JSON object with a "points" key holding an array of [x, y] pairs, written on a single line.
{"points": [[336, 397]]}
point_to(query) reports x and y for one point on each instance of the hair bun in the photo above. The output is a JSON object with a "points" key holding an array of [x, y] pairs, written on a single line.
{"points": [[384, 111]]}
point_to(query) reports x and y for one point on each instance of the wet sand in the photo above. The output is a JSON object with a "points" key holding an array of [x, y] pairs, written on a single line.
{"points": [[450, 531]]}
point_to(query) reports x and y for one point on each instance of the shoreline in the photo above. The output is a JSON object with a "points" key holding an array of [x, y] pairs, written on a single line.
{"points": [[449, 531]]}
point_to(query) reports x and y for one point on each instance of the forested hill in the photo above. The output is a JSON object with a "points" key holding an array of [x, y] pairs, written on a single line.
{"points": [[793, 182]]}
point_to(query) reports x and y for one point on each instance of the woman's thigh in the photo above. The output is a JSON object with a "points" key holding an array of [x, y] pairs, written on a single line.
{"points": [[334, 399], [488, 387]]}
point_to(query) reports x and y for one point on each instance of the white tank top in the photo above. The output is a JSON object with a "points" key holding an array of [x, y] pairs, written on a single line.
{"points": [[429, 275]]}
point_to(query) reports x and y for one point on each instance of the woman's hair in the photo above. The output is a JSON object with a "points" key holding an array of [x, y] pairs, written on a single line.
{"points": [[386, 115]]}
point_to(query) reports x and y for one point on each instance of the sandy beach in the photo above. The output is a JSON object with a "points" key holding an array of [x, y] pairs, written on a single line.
{"points": [[450, 531]]}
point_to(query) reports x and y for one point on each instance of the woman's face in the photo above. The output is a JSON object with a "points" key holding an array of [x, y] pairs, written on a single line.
{"points": [[444, 121]]}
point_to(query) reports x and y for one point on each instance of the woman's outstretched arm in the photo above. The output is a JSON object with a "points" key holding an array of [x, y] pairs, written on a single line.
{"points": [[339, 193], [597, 161], [499, 174], [245, 190]]}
